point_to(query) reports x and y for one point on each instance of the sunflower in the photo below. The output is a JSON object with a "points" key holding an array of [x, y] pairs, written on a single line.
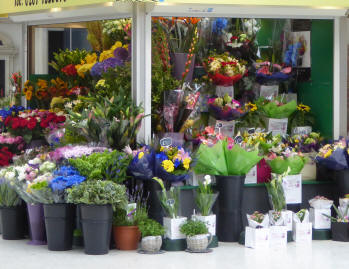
{"points": [[304, 108], [42, 84], [40, 93], [251, 107], [29, 95], [27, 88]]}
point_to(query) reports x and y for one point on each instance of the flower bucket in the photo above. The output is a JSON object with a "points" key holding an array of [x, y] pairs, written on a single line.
{"points": [[59, 222], [229, 217], [37, 224], [96, 226], [126, 237], [13, 222]]}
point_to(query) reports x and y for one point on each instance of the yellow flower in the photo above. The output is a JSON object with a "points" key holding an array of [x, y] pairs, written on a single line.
{"points": [[186, 163], [140, 155], [100, 83], [117, 44], [251, 107], [162, 148], [29, 95], [302, 107], [42, 83], [168, 166], [106, 55], [91, 58], [296, 141], [328, 153]]}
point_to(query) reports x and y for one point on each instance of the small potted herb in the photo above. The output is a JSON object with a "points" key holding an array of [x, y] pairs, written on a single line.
{"points": [[152, 233], [97, 199], [125, 226], [198, 237]]}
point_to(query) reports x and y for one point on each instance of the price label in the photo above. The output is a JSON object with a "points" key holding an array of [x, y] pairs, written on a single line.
{"points": [[238, 139], [166, 142], [251, 131]]}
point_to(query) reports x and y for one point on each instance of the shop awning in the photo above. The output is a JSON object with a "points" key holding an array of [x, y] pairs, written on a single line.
{"points": [[20, 6]]}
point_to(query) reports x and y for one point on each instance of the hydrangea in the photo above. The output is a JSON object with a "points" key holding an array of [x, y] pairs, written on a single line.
{"points": [[111, 63], [97, 69], [219, 24], [121, 54]]}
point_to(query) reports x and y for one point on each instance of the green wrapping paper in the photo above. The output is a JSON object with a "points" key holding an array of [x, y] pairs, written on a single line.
{"points": [[272, 110], [279, 165], [222, 161]]}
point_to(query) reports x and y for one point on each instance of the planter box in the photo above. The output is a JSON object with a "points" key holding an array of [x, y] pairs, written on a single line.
{"points": [[278, 236], [292, 185], [172, 227], [257, 238], [251, 176], [340, 231], [318, 220], [277, 126], [210, 222], [302, 232]]}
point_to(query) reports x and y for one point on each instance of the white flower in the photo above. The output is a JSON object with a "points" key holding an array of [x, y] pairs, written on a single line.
{"points": [[208, 180], [10, 175], [35, 161]]}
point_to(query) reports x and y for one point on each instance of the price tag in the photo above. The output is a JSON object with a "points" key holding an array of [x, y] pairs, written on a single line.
{"points": [[170, 202], [238, 139], [166, 142], [251, 131]]}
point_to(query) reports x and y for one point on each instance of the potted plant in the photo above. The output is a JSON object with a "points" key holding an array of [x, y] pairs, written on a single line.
{"points": [[125, 226], [12, 213], [97, 199], [204, 200], [340, 224], [152, 233], [251, 119], [302, 120], [198, 237], [229, 162]]}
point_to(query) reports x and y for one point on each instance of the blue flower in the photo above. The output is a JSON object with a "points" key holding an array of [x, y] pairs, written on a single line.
{"points": [[111, 63], [97, 69], [177, 163], [66, 171], [219, 24], [61, 183], [162, 156]]}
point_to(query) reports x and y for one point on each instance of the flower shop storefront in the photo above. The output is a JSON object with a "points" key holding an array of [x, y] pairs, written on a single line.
{"points": [[234, 108]]}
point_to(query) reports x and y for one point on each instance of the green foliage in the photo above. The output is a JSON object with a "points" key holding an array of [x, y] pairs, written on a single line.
{"points": [[8, 196], [98, 192], [169, 199], [151, 227], [194, 227], [122, 218], [41, 192], [301, 118], [276, 193], [65, 57], [103, 166]]}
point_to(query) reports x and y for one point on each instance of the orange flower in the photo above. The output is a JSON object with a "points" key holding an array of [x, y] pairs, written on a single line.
{"points": [[29, 95], [41, 94]]}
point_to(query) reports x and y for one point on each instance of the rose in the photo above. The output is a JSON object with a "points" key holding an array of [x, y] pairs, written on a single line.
{"points": [[15, 123], [31, 124]]}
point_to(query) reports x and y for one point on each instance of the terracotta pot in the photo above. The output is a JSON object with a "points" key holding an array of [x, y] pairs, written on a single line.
{"points": [[126, 237]]}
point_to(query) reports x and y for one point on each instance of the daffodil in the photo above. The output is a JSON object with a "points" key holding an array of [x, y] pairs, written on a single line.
{"points": [[168, 166]]}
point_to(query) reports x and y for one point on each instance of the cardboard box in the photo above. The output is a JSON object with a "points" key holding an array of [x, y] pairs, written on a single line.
{"points": [[292, 185], [318, 219], [257, 238], [302, 232], [210, 222], [277, 126], [278, 236], [251, 176], [172, 227]]}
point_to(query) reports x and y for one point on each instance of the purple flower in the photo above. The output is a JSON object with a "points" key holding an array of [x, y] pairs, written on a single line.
{"points": [[97, 69], [111, 63], [121, 54]]}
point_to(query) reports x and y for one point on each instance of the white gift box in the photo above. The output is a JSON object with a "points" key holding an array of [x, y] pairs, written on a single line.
{"points": [[287, 216], [256, 238], [302, 232], [318, 219], [251, 176], [222, 90], [226, 128], [277, 236], [172, 227], [292, 185], [277, 126], [210, 222]]}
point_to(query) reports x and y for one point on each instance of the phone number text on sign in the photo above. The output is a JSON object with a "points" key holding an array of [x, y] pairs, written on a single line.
{"points": [[28, 3]]}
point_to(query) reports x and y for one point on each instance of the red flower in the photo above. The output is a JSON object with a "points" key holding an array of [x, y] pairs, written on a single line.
{"points": [[5, 156], [69, 70], [31, 123], [61, 119], [8, 120], [22, 122], [15, 123], [44, 123], [234, 37]]}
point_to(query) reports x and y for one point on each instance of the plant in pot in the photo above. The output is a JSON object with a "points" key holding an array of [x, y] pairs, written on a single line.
{"points": [[97, 199], [198, 237], [204, 200], [152, 233], [229, 160], [12, 213], [302, 120], [340, 224], [125, 226], [251, 119], [51, 190]]}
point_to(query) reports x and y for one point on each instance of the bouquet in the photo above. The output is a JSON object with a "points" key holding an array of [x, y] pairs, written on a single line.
{"points": [[14, 144], [169, 199], [302, 117], [333, 156], [305, 143], [252, 118], [264, 141], [276, 193], [342, 215], [320, 202], [302, 216], [205, 197], [10, 111], [226, 158], [276, 109], [8, 196], [142, 164], [32, 123], [258, 220], [281, 158], [68, 152], [224, 70], [208, 136], [225, 108], [172, 163], [5, 156], [267, 71]]}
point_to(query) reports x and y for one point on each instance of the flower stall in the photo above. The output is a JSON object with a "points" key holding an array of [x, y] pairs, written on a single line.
{"points": [[186, 125]]}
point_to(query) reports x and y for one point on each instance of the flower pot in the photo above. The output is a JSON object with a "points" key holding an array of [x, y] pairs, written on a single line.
{"points": [[37, 224], [126, 237], [13, 222], [199, 242], [155, 210], [341, 179], [340, 231], [151, 243], [178, 60], [96, 226], [229, 217], [210, 222], [59, 222]]}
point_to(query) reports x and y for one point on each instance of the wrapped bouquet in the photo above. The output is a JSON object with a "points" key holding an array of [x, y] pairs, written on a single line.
{"points": [[225, 108], [333, 156], [276, 109]]}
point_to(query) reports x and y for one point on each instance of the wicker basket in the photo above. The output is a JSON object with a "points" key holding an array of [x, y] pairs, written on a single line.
{"points": [[151, 243], [199, 242]]}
